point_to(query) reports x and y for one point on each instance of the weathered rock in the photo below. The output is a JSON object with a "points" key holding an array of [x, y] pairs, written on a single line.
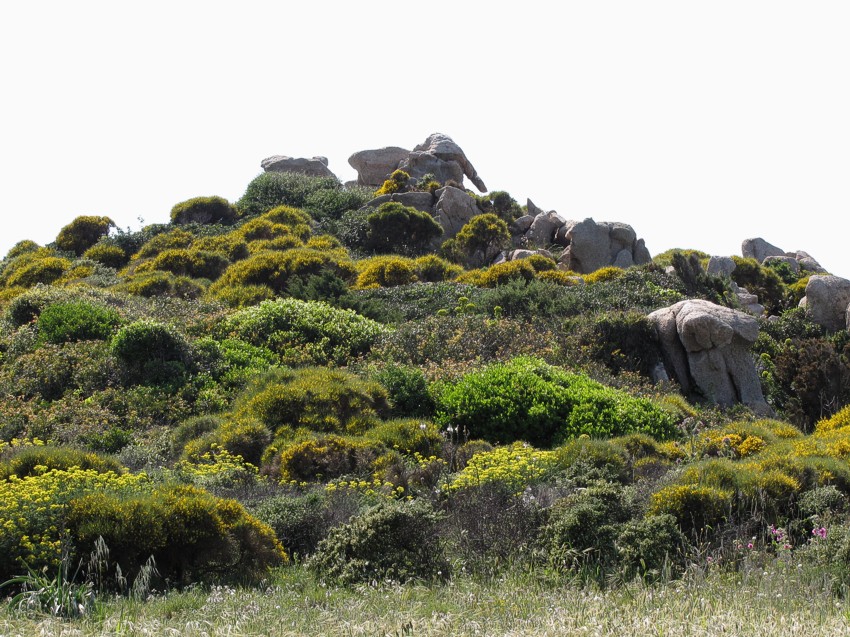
{"points": [[314, 167], [375, 166], [847, 318], [532, 209], [808, 263], [827, 298], [759, 249], [641, 254], [524, 254], [423, 201], [444, 147], [721, 266], [543, 228], [453, 210], [623, 259], [621, 237], [706, 348], [521, 225], [417, 164], [589, 246]]}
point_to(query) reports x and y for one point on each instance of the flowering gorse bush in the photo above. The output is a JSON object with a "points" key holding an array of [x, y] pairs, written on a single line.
{"points": [[516, 466]]}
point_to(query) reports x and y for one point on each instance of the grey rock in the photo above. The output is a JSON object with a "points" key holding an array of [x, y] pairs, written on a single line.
{"points": [[809, 264], [641, 254], [623, 259], [444, 147], [314, 167], [532, 209], [721, 266], [524, 254], [521, 225], [706, 347], [453, 210], [827, 298], [621, 237], [375, 166], [543, 228], [589, 246], [418, 164], [759, 249]]}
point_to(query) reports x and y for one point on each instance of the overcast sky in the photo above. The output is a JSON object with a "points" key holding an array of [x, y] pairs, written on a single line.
{"points": [[699, 123]]}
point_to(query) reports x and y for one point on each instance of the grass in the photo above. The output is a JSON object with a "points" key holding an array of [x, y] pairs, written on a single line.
{"points": [[783, 599]]}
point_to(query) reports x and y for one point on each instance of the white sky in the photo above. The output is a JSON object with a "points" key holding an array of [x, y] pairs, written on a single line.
{"points": [[699, 123]]}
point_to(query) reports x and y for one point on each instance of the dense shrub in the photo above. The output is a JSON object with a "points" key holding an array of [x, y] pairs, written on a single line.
{"points": [[408, 435], [176, 238], [408, 390], [584, 461], [386, 271], [480, 240], [329, 204], [500, 274], [82, 233], [31, 268], [192, 535], [325, 334], [624, 342], [34, 460], [397, 182], [433, 269], [694, 506], [203, 210], [231, 246], [272, 189], [394, 227], [390, 541], [763, 282], [108, 254], [513, 467], [313, 398], [151, 353], [159, 283], [527, 399], [324, 458], [652, 548], [76, 321]]}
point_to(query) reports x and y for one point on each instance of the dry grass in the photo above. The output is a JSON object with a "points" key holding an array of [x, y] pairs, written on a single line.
{"points": [[782, 601]]}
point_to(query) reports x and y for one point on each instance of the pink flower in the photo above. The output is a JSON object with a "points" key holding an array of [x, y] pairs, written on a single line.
{"points": [[750, 545]]}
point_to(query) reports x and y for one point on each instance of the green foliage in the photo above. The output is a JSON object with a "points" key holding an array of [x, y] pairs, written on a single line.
{"points": [[624, 342], [31, 268], [763, 282], [397, 182], [526, 399], [394, 227], [22, 247], [386, 271], [76, 321], [390, 541], [481, 238], [665, 259], [151, 353], [187, 262], [696, 281], [160, 284], [329, 205], [515, 467], [176, 238], [82, 233], [108, 254], [323, 333], [409, 436], [584, 461], [313, 398], [203, 210], [694, 506], [325, 458], [408, 390], [191, 534], [272, 189], [651, 547], [501, 204], [500, 274], [432, 269], [34, 460]]}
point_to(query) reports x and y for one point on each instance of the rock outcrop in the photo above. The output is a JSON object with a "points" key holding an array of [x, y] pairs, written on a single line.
{"points": [[313, 167], [765, 252], [438, 155], [827, 300], [706, 348]]}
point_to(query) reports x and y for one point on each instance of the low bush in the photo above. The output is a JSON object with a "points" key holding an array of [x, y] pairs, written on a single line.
{"points": [[76, 321], [203, 210], [324, 458], [514, 467], [392, 541], [698, 509], [408, 390], [82, 233], [401, 229], [651, 548], [108, 254], [26, 461], [385, 271], [151, 353], [408, 435], [272, 189]]}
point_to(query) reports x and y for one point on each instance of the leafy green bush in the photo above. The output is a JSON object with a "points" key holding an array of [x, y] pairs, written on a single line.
{"points": [[324, 458], [526, 399], [585, 460], [390, 541], [762, 281], [481, 238], [82, 233], [192, 535], [500, 274], [272, 189], [515, 467], [324, 333], [313, 398], [108, 254], [159, 283], [151, 353], [624, 342], [76, 321], [176, 238], [433, 269], [330, 204], [203, 210], [651, 547], [394, 227], [187, 262], [31, 268], [397, 182], [386, 271], [694, 506], [408, 390], [408, 435], [33, 460]]}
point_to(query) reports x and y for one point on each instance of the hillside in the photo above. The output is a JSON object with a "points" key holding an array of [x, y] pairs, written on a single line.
{"points": [[402, 380]]}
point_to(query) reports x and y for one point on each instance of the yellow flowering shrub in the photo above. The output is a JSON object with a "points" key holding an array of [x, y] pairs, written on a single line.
{"points": [[838, 420], [517, 466], [694, 506]]}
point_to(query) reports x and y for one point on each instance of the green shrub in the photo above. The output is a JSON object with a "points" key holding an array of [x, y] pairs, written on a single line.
{"points": [[151, 353], [324, 458], [624, 342], [28, 461], [408, 435], [330, 204], [301, 521], [481, 239], [268, 190], [584, 461], [433, 269], [204, 210], [176, 238], [515, 467], [500, 274], [763, 282], [192, 535], [22, 247], [390, 541], [158, 283], [324, 333], [108, 254], [82, 233], [394, 227], [408, 390], [651, 548], [396, 183], [526, 399], [76, 321], [386, 271], [313, 398], [695, 507], [231, 246], [32, 268]]}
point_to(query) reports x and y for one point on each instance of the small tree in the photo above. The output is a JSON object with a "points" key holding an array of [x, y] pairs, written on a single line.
{"points": [[82, 233], [482, 238]]}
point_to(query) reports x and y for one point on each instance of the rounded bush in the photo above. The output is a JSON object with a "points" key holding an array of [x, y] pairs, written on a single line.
{"points": [[392, 541], [408, 435], [272, 189], [651, 547], [408, 390], [432, 269], [34, 460], [394, 227], [325, 458], [82, 233], [694, 506], [203, 210], [151, 353], [387, 271], [110, 255], [76, 321]]}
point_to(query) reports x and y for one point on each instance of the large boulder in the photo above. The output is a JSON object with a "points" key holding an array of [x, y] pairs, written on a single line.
{"points": [[827, 298], [443, 147], [453, 210], [706, 348], [375, 166], [543, 227], [417, 164], [313, 167], [759, 249], [591, 245]]}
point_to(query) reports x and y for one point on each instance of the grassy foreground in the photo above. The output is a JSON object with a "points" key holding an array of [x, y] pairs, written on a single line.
{"points": [[782, 600]]}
